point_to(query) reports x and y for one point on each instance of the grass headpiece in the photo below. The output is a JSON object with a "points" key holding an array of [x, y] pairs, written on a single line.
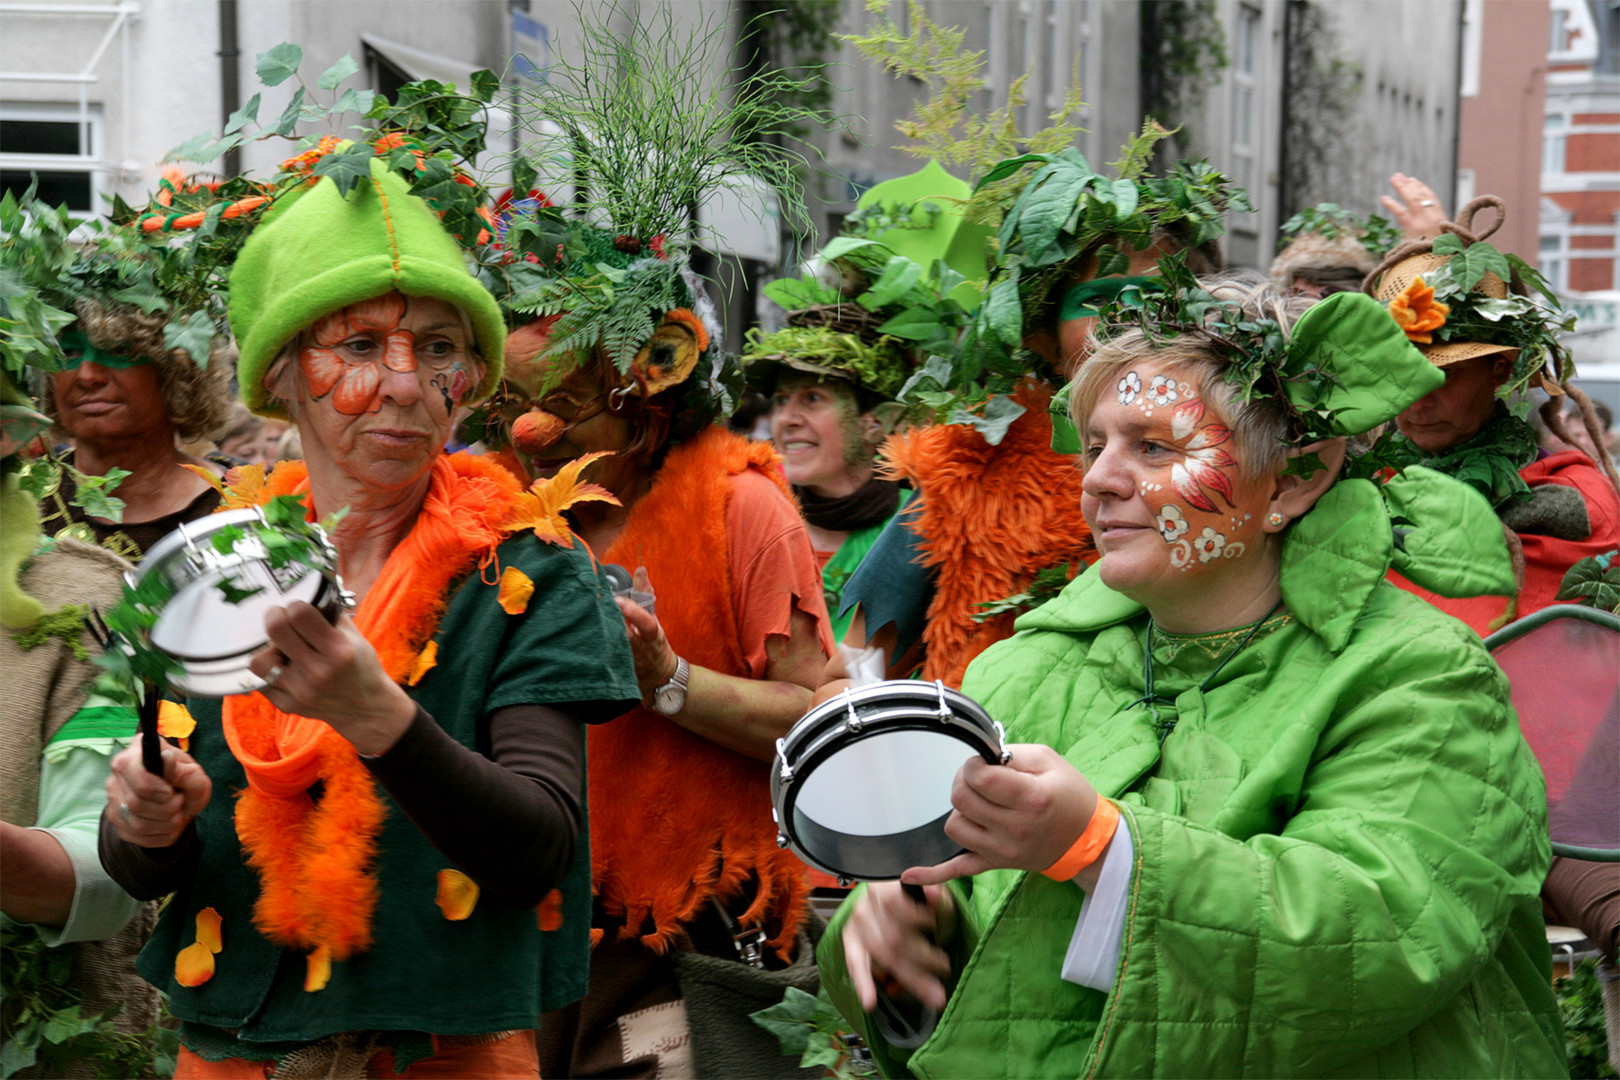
{"points": [[886, 293], [646, 127]]}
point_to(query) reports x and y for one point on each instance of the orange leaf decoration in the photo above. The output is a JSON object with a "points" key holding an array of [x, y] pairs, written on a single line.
{"points": [[425, 661], [175, 722], [689, 318], [194, 965], [242, 486], [458, 895], [548, 914], [317, 969], [208, 924], [541, 507], [1417, 312], [516, 588]]}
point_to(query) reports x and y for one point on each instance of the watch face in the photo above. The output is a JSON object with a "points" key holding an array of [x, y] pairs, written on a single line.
{"points": [[669, 699]]}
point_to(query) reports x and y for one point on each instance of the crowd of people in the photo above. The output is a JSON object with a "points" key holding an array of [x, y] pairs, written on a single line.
{"points": [[1218, 550]]}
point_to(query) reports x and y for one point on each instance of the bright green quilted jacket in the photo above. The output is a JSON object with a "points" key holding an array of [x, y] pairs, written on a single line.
{"points": [[1339, 843]]}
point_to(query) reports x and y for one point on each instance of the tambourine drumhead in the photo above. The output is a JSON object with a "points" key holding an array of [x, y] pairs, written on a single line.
{"points": [[213, 639], [862, 785]]}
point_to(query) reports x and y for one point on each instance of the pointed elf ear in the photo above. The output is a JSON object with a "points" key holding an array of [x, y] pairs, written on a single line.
{"points": [[672, 353]]}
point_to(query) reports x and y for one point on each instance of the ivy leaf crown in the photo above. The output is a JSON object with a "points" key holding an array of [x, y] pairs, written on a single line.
{"points": [[1330, 221], [1260, 362]]}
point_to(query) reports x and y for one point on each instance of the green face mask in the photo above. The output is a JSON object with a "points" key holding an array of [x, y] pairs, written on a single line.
{"points": [[76, 349]]}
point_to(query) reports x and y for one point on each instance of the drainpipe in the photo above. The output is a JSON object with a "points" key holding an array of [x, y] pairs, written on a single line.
{"points": [[230, 82]]}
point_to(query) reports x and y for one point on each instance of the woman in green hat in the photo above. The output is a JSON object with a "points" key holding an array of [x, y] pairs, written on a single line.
{"points": [[1266, 814], [400, 872]]}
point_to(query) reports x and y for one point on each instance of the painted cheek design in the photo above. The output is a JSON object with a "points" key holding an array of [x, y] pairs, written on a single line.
{"points": [[452, 384], [1199, 534], [355, 385]]}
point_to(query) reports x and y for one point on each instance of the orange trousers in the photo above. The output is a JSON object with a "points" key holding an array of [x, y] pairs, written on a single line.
{"points": [[477, 1058]]}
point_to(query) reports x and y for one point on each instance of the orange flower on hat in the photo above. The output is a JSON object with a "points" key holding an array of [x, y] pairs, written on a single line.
{"points": [[395, 139], [305, 162], [1417, 312]]}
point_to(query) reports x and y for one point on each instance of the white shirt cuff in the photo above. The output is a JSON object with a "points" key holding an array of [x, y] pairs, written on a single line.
{"points": [[1099, 932]]}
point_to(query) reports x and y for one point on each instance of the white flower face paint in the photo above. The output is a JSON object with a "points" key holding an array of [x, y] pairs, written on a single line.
{"points": [[1129, 387]]}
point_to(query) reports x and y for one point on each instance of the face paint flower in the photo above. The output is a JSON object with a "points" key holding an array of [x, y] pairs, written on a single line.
{"points": [[1209, 544], [357, 380], [1129, 387], [1172, 526], [1162, 390], [1203, 459]]}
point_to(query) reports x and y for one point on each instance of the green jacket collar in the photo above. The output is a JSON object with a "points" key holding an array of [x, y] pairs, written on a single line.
{"points": [[1439, 533]]}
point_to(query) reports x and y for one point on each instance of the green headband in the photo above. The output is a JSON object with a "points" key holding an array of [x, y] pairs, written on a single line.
{"points": [[1084, 300], [77, 349]]}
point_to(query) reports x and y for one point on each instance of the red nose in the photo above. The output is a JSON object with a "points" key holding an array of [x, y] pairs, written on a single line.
{"points": [[535, 430]]}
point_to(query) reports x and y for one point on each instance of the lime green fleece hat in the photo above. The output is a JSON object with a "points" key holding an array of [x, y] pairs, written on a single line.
{"points": [[324, 251]]}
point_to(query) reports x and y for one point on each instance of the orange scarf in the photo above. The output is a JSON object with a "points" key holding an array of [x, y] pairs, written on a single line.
{"points": [[318, 890]]}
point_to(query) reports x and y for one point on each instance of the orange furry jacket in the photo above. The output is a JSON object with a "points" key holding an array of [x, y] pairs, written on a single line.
{"points": [[991, 518], [674, 818]]}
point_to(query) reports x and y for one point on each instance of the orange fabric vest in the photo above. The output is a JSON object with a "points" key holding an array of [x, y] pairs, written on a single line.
{"points": [[675, 819], [991, 518]]}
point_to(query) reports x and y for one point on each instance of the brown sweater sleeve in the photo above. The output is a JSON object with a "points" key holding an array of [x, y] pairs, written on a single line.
{"points": [[510, 821]]}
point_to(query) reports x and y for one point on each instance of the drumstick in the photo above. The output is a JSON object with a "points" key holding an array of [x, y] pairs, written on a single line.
{"points": [[151, 742]]}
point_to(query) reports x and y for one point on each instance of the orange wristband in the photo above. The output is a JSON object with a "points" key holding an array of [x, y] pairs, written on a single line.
{"points": [[1099, 830]]}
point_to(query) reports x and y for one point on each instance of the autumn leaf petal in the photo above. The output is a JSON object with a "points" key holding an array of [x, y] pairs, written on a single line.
{"points": [[317, 969], [194, 965], [207, 474], [458, 895], [208, 929], [245, 486], [541, 507], [1187, 487], [425, 661], [548, 914], [175, 721], [516, 588]]}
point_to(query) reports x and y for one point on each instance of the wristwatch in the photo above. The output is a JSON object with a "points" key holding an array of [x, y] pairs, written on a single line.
{"points": [[670, 698]]}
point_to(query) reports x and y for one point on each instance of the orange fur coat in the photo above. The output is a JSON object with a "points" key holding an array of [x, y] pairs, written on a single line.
{"points": [[676, 819], [991, 518]]}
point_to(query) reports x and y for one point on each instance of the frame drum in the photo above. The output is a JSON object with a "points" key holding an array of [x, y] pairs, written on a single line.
{"points": [[862, 784], [211, 638]]}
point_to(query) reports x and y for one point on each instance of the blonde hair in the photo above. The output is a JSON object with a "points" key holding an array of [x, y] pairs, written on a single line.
{"points": [[1260, 426]]}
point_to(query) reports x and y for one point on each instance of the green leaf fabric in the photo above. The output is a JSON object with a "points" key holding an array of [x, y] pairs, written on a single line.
{"points": [[1374, 371]]}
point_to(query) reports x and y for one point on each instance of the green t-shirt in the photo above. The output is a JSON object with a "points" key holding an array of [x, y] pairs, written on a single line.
{"points": [[495, 970]]}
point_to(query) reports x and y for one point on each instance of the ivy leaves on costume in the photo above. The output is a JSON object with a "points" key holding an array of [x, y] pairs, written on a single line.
{"points": [[1489, 462], [1593, 581]]}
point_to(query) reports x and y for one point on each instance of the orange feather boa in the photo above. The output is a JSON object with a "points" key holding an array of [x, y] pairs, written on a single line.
{"points": [[318, 890]]}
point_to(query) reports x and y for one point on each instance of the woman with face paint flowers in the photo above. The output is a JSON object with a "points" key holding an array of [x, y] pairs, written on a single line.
{"points": [[1264, 814], [400, 873]]}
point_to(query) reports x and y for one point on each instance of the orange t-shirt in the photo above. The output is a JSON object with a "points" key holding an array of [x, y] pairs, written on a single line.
{"points": [[774, 568]]}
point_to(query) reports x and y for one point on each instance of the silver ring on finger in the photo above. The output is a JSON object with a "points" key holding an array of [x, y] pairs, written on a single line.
{"points": [[1425, 202], [124, 813], [273, 674]]}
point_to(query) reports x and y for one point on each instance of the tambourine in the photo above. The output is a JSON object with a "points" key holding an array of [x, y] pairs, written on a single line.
{"points": [[862, 784], [199, 626]]}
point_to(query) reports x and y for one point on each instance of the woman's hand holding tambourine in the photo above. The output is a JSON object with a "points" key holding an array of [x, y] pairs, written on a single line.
{"points": [[1020, 816], [329, 671], [153, 811]]}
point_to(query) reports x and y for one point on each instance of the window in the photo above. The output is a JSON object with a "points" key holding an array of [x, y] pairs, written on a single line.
{"points": [[49, 142], [1553, 136], [1558, 35], [1245, 100], [1553, 261]]}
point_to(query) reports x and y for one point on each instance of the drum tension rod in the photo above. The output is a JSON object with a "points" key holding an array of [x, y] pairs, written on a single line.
{"points": [[854, 721]]}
